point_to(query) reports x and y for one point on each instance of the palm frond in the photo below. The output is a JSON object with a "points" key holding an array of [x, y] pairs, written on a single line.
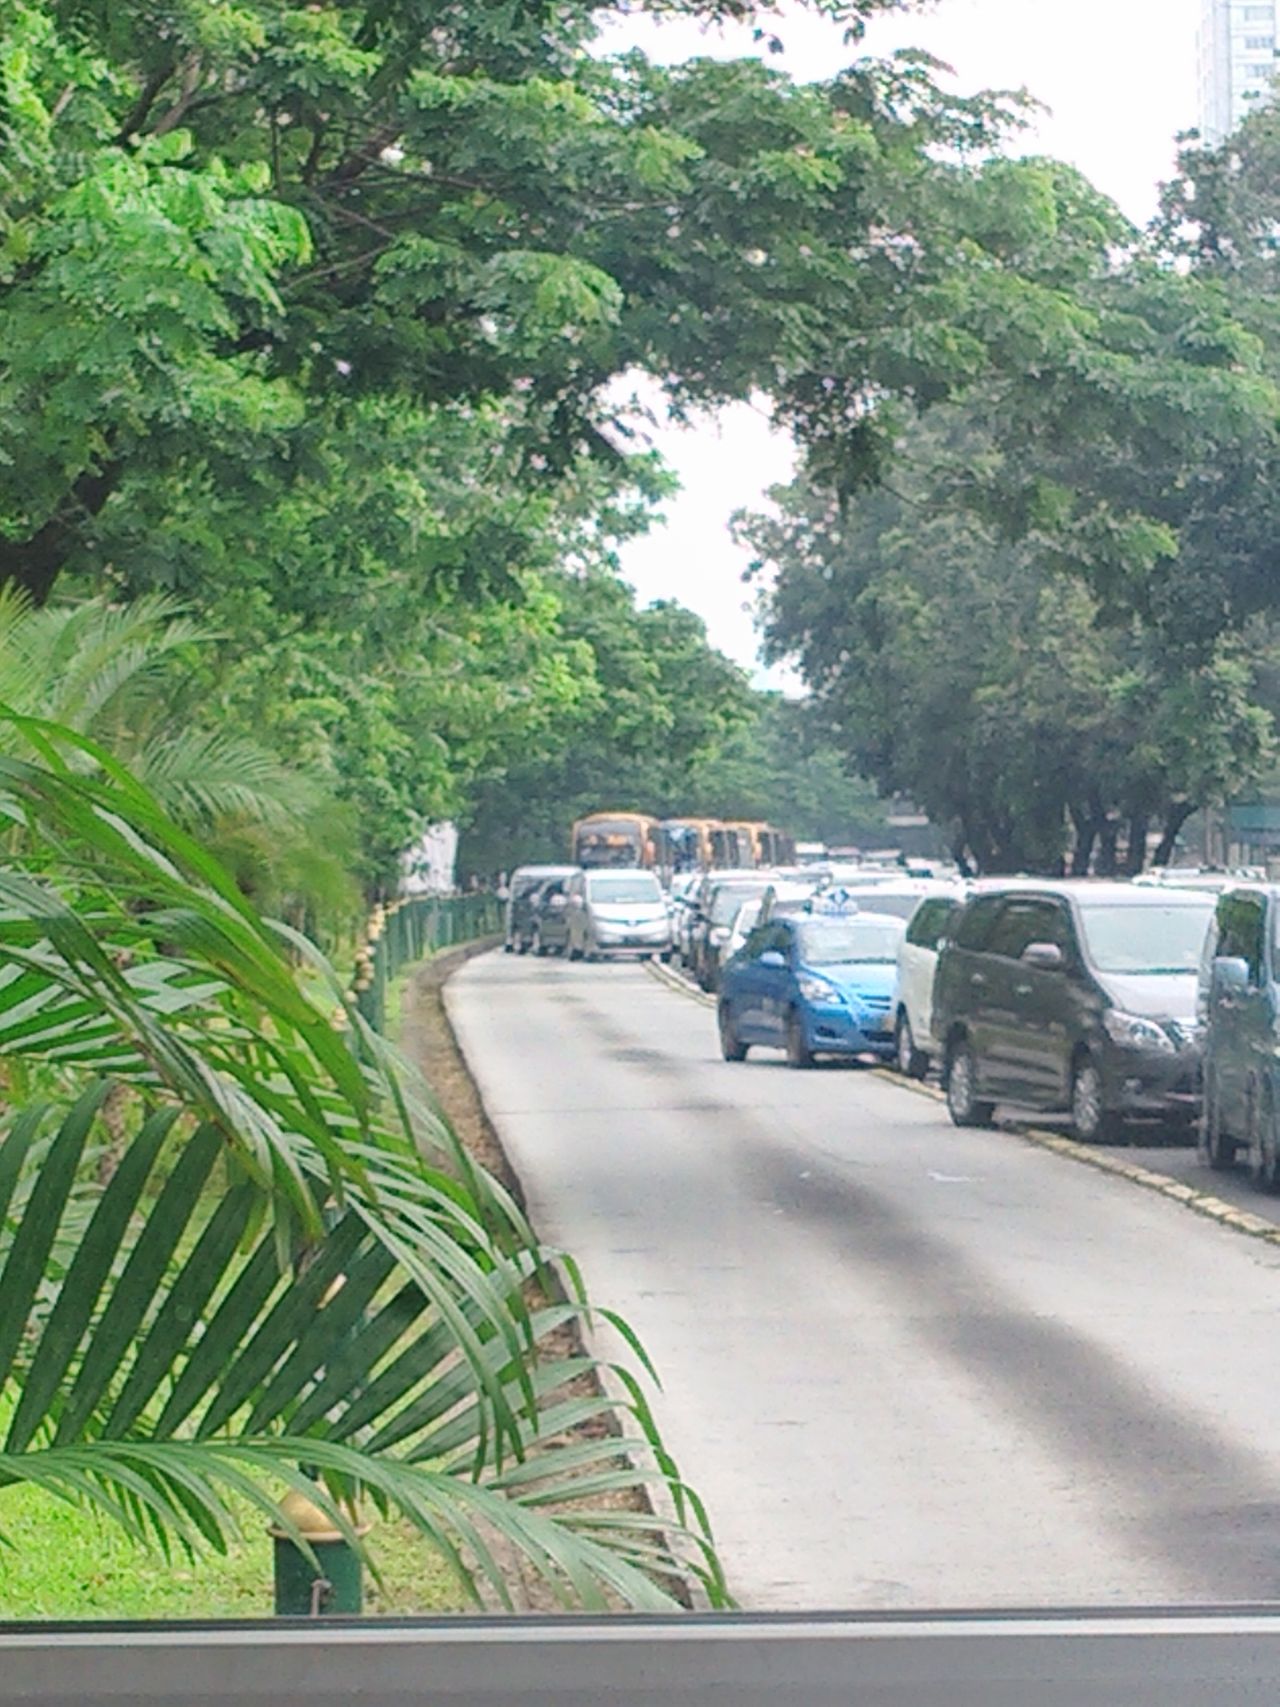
{"points": [[294, 1248], [199, 775], [186, 1355]]}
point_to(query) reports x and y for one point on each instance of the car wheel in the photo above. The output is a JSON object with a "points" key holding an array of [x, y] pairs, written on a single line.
{"points": [[1092, 1122], [963, 1103], [913, 1063], [1217, 1147], [799, 1053], [1264, 1141], [731, 1045]]}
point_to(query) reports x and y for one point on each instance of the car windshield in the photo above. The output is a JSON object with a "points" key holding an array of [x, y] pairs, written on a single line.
{"points": [[1146, 940], [849, 942], [725, 902], [746, 916], [623, 891]]}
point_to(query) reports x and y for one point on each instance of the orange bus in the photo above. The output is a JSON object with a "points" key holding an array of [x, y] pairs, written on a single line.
{"points": [[614, 838], [731, 847], [684, 844], [767, 845]]}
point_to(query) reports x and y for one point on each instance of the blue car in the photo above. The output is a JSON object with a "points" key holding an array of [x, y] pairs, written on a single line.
{"points": [[813, 984]]}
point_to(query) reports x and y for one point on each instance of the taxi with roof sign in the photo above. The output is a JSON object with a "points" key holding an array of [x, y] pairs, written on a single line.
{"points": [[820, 982]]}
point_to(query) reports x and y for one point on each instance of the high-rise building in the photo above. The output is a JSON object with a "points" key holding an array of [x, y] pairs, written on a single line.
{"points": [[1238, 41]]}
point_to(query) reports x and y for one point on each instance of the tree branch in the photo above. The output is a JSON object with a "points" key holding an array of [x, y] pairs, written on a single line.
{"points": [[178, 111], [142, 106]]}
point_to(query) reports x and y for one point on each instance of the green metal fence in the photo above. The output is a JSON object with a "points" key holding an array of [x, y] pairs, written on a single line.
{"points": [[409, 930]]}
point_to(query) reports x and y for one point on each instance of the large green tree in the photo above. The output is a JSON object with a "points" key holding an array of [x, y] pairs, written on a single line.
{"points": [[980, 677]]}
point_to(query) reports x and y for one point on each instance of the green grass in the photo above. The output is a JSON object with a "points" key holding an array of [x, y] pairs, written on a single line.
{"points": [[65, 1563]]}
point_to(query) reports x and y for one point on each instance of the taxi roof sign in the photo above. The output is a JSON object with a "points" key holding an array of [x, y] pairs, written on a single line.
{"points": [[834, 902]]}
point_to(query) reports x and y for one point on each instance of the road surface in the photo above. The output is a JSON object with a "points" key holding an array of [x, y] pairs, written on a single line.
{"points": [[905, 1366]]}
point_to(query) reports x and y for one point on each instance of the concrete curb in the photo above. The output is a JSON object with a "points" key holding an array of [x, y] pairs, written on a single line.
{"points": [[677, 981], [1102, 1161]]}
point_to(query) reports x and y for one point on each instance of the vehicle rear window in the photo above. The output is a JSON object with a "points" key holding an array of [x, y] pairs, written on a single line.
{"points": [[975, 922], [725, 902], [624, 890], [1145, 939], [929, 921], [841, 942]]}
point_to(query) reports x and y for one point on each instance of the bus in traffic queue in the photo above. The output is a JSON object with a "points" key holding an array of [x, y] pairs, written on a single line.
{"points": [[731, 848], [763, 845], [684, 844], [615, 838]]}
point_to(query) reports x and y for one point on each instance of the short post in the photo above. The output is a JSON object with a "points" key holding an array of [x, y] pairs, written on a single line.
{"points": [[335, 1583]]}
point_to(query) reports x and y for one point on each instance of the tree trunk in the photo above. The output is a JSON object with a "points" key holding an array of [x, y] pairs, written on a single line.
{"points": [[1087, 826], [1136, 854], [35, 563], [960, 854], [1108, 853], [1175, 819]]}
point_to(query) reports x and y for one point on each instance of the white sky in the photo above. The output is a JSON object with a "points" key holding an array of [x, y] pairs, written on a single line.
{"points": [[1119, 78]]}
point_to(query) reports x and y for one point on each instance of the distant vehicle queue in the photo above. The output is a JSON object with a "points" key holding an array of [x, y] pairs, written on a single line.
{"points": [[1113, 1003], [676, 845]]}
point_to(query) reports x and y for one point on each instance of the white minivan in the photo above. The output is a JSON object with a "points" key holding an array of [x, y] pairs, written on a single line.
{"points": [[917, 959], [617, 912]]}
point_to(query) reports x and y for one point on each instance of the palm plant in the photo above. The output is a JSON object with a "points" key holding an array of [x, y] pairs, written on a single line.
{"points": [[294, 1261], [120, 674]]}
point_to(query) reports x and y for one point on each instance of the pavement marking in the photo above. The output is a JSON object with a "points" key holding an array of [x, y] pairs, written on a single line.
{"points": [[1103, 1161]]}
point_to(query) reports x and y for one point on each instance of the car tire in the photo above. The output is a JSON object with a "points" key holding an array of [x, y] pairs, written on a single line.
{"points": [[1217, 1147], [911, 1062], [731, 1045], [1091, 1121], [964, 1106], [1264, 1140], [799, 1053]]}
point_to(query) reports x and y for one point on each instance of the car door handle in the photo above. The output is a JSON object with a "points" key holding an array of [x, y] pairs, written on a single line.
{"points": [[978, 978], [1022, 989]]}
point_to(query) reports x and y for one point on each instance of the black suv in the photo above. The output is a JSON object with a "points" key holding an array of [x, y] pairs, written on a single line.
{"points": [[1073, 996]]}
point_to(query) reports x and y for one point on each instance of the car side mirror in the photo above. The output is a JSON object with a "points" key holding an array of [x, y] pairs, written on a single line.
{"points": [[1045, 956], [773, 959], [1230, 976]]}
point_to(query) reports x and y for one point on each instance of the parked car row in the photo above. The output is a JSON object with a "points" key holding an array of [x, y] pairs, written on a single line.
{"points": [[1113, 1002], [715, 914]]}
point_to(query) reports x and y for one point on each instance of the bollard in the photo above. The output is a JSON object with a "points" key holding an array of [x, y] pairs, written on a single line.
{"points": [[334, 1584]]}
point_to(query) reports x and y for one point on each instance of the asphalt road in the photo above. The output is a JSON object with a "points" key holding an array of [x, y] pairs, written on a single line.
{"points": [[905, 1366]]}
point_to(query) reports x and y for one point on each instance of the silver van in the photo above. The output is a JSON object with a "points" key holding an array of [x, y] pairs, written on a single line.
{"points": [[617, 912]]}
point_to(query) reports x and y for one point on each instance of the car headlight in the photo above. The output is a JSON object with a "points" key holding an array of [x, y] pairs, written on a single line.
{"points": [[1131, 1031], [815, 989]]}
